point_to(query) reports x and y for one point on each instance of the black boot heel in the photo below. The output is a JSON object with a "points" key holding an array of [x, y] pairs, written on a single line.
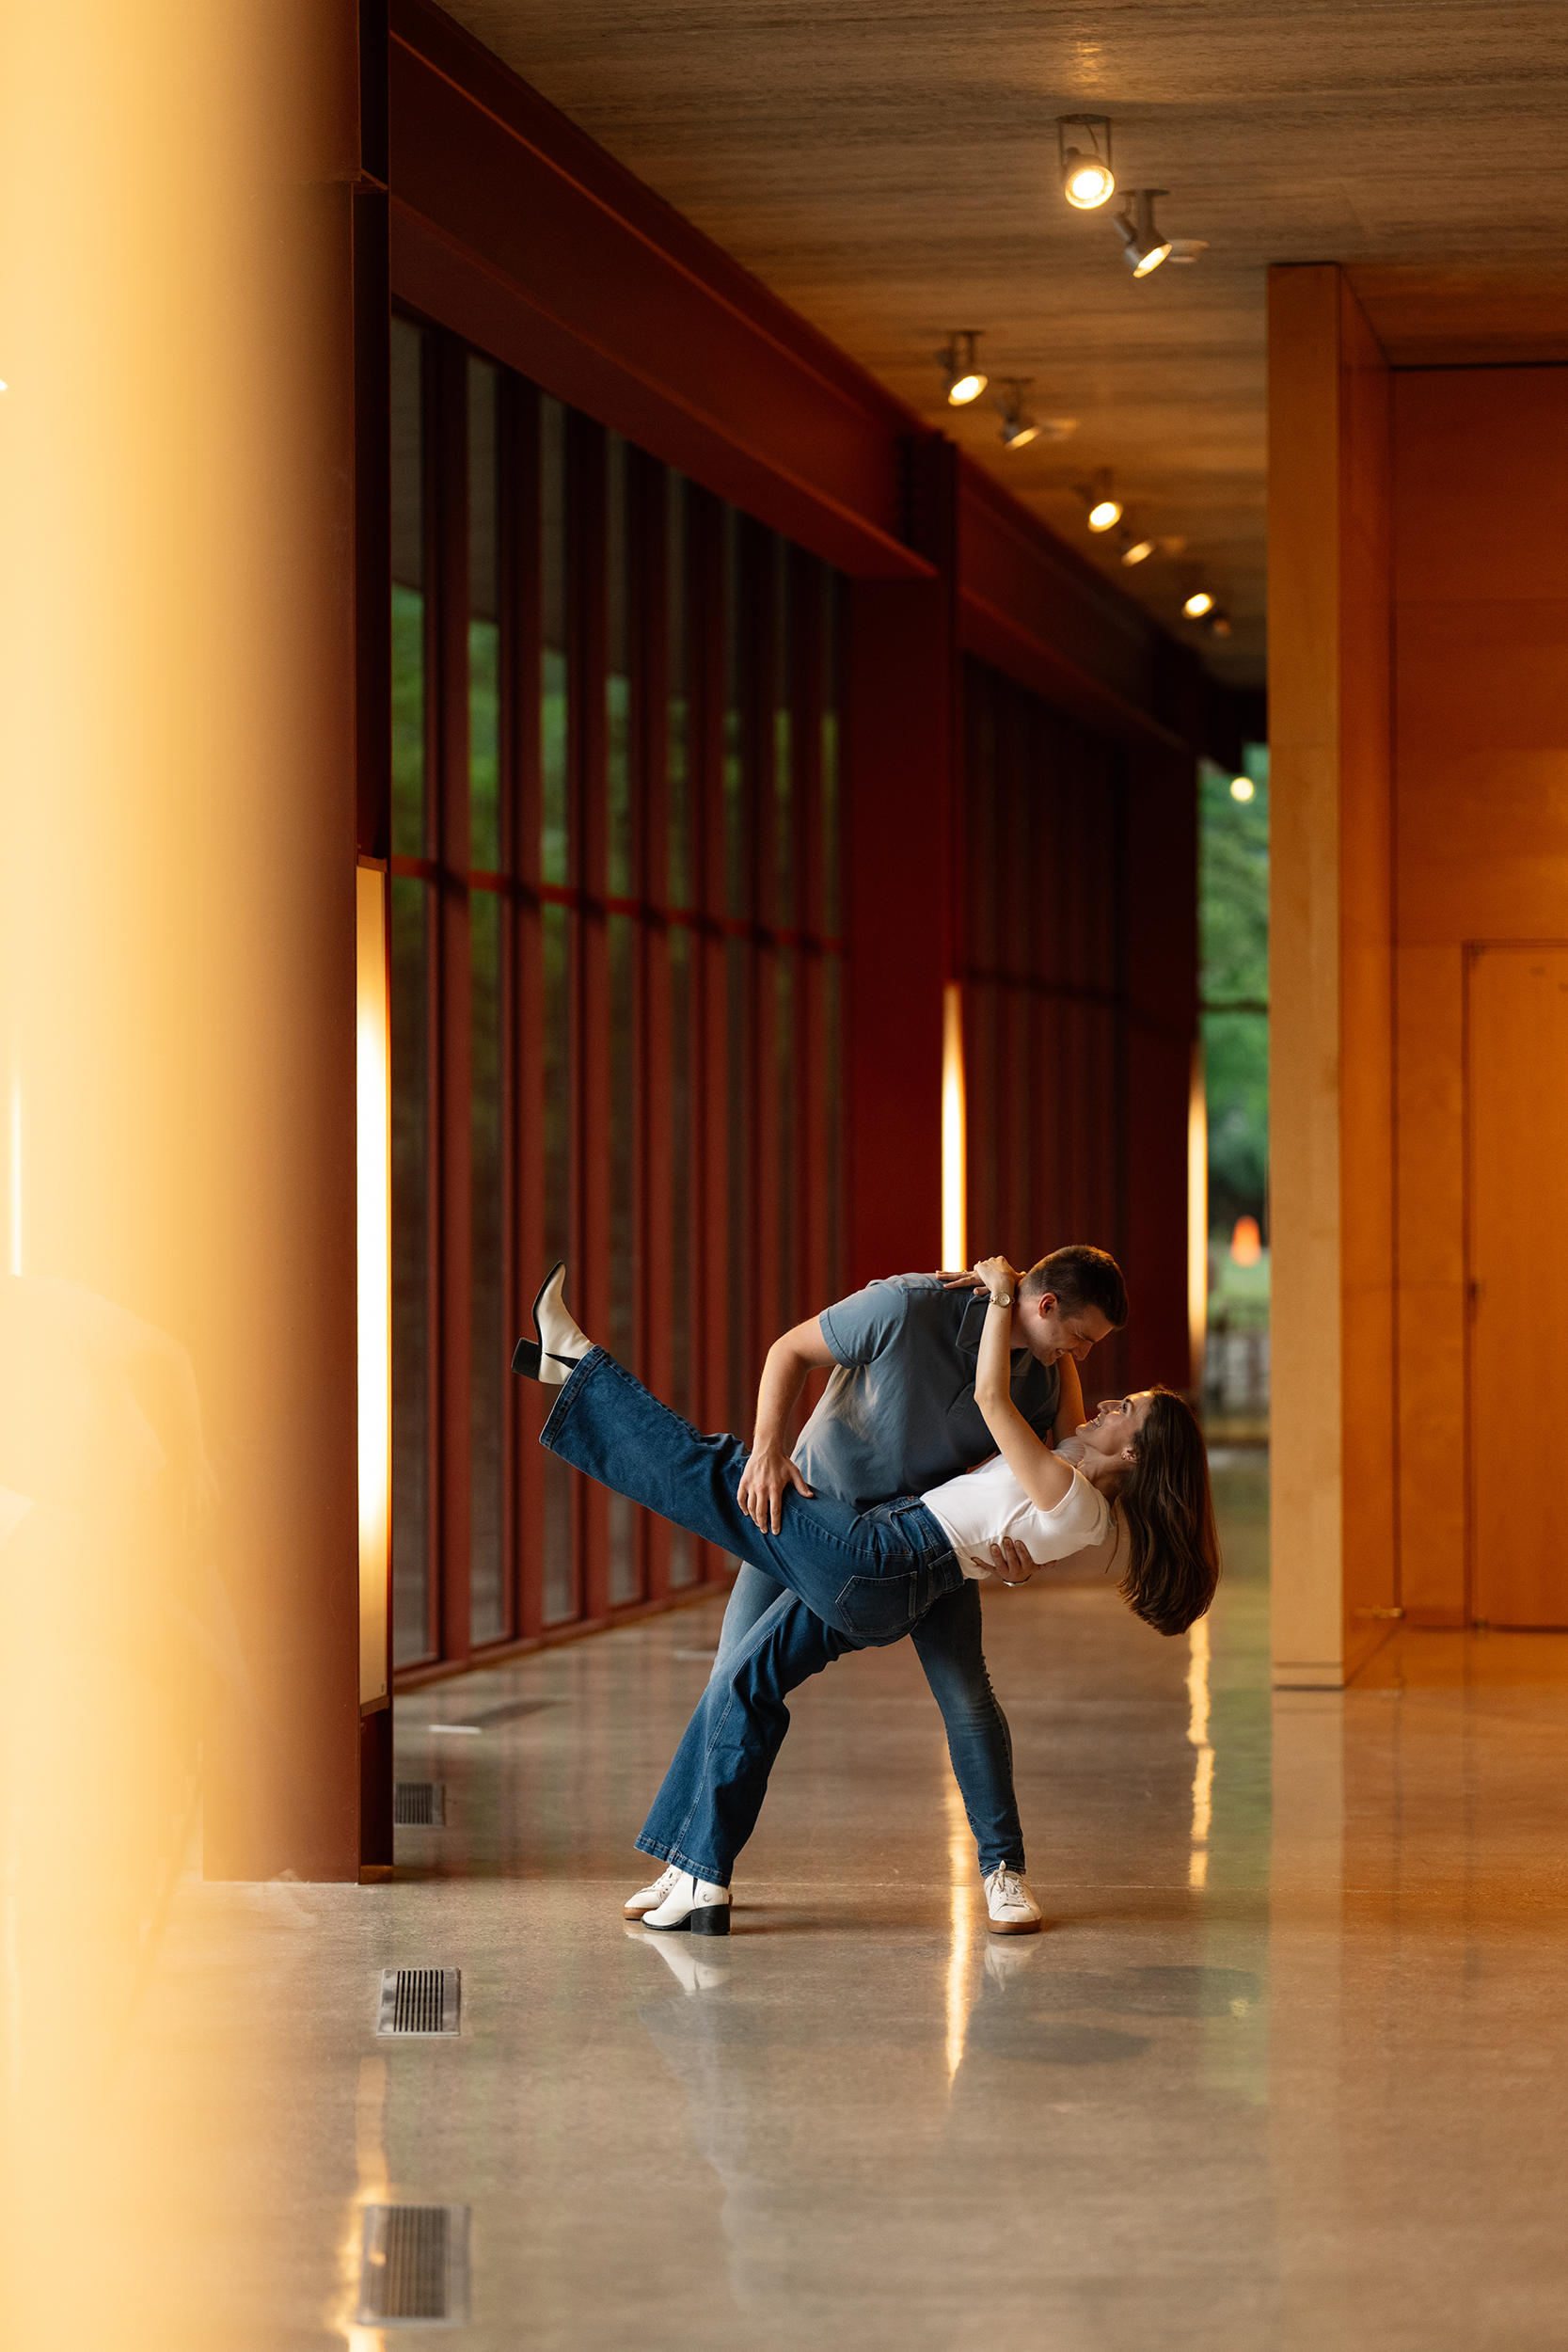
{"points": [[525, 1359], [712, 1920]]}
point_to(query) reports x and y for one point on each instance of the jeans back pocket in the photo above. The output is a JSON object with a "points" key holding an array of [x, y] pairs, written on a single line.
{"points": [[879, 1609]]}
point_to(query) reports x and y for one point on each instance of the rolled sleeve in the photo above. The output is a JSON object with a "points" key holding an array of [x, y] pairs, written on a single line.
{"points": [[862, 1327]]}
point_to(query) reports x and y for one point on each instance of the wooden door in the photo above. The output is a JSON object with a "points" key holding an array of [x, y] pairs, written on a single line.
{"points": [[1517, 1244]]}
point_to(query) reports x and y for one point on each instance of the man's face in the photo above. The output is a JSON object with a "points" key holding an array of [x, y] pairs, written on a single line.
{"points": [[1052, 1330]]}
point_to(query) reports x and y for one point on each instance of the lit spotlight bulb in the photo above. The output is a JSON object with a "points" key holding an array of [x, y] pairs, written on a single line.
{"points": [[1087, 182], [1139, 552], [1142, 248], [962, 380], [1087, 178], [1198, 604], [1104, 513], [1242, 787]]}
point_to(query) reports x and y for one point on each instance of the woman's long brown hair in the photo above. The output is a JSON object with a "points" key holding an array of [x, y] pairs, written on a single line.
{"points": [[1169, 1511]]}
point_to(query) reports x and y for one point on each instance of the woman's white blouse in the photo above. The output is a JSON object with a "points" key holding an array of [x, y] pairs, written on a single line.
{"points": [[975, 1511]]}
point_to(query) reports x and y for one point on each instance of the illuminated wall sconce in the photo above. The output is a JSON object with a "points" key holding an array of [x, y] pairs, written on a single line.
{"points": [[1197, 1215], [1088, 180], [962, 379], [372, 1091], [954, 1132]]}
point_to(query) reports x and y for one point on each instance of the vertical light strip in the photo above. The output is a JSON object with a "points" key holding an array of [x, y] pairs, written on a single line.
{"points": [[1198, 1734], [14, 1237], [1197, 1216], [955, 1136], [372, 1091], [961, 1865]]}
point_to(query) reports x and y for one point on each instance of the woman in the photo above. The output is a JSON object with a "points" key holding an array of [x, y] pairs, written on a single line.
{"points": [[863, 1579]]}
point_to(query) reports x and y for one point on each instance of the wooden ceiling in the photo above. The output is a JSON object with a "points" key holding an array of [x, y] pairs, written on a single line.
{"points": [[890, 171]]}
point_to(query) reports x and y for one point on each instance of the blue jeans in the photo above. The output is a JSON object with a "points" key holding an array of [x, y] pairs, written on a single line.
{"points": [[948, 1644], [793, 1609], [855, 1580]]}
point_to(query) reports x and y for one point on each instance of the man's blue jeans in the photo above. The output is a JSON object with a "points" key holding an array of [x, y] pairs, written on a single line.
{"points": [[849, 1582], [947, 1641]]}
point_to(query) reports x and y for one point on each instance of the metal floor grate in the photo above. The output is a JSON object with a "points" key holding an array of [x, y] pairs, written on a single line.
{"points": [[414, 2266], [420, 2000], [419, 1804]]}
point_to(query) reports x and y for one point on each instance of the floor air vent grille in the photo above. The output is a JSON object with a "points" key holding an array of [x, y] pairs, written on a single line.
{"points": [[414, 2266], [420, 2000], [420, 1803]]}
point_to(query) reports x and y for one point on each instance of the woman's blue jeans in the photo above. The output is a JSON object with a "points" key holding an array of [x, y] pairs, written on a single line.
{"points": [[847, 1579]]}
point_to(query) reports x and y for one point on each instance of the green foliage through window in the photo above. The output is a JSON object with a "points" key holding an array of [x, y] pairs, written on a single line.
{"points": [[1233, 917]]}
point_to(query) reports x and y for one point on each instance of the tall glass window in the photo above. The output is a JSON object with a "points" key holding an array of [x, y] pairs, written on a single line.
{"points": [[646, 895], [556, 921], [488, 1371], [411, 981], [624, 1584]]}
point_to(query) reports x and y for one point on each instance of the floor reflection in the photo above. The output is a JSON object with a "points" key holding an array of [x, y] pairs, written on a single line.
{"points": [[1309, 2093]]}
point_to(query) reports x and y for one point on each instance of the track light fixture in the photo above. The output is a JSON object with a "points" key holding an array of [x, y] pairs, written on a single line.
{"points": [[1104, 507], [1018, 430], [1136, 551], [1142, 248], [1198, 605], [962, 380], [1088, 180]]}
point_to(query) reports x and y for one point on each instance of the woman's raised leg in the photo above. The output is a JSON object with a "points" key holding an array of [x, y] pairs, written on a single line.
{"points": [[869, 1574]]}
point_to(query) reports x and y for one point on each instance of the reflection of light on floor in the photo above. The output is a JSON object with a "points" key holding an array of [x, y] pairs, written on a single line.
{"points": [[370, 2148], [1203, 1767], [961, 1870]]}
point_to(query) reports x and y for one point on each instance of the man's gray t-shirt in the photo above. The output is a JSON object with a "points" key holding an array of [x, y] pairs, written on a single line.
{"points": [[898, 1414]]}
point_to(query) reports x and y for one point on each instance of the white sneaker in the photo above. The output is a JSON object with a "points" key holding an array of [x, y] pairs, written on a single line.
{"points": [[650, 1897], [692, 1903], [1013, 1909]]}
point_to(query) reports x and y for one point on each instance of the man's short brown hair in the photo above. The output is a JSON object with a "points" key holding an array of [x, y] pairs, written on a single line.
{"points": [[1079, 1275]]}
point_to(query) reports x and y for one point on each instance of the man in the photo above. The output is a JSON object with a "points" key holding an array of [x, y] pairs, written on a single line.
{"points": [[898, 1416]]}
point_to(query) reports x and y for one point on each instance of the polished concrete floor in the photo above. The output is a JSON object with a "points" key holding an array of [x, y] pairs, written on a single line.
{"points": [[1288, 2069]]}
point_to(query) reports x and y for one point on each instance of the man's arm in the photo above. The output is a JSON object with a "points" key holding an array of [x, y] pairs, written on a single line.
{"points": [[1070, 1400], [769, 1472]]}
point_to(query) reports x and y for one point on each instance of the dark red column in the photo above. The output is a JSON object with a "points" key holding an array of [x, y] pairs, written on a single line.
{"points": [[901, 725]]}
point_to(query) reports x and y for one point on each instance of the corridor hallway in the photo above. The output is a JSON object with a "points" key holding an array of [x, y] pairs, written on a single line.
{"points": [[1281, 2075]]}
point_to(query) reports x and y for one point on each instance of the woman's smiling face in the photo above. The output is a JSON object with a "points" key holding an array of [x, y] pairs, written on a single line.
{"points": [[1116, 1426]]}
